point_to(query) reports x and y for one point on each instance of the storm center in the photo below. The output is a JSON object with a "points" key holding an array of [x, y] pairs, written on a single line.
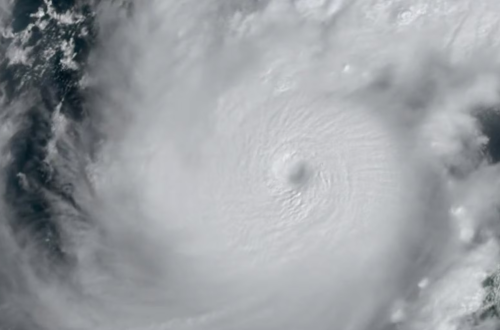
{"points": [[297, 173], [292, 171]]}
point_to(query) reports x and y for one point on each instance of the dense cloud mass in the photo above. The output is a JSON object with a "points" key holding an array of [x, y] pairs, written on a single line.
{"points": [[249, 164]]}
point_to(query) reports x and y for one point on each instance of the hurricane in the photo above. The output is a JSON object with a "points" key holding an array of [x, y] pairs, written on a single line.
{"points": [[249, 165]]}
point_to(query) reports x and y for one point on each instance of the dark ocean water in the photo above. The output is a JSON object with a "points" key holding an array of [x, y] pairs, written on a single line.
{"points": [[45, 85]]}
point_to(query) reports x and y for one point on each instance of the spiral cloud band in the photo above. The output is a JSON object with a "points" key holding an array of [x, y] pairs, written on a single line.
{"points": [[248, 165], [289, 193], [288, 198]]}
